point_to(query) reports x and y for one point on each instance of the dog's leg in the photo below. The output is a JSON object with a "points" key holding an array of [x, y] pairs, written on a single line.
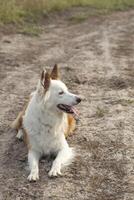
{"points": [[33, 159], [63, 158]]}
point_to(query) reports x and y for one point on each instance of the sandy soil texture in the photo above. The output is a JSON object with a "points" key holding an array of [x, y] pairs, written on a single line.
{"points": [[96, 58]]}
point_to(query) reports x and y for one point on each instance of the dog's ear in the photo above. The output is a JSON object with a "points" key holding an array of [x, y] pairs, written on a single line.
{"points": [[45, 79], [55, 72]]}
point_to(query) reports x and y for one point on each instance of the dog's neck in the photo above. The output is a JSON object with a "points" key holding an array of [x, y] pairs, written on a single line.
{"points": [[53, 115], [48, 116]]}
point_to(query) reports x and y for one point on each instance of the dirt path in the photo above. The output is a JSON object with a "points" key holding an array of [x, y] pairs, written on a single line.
{"points": [[97, 61]]}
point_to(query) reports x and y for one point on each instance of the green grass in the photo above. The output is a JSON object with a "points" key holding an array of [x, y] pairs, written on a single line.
{"points": [[9, 11], [16, 11], [30, 30], [78, 18]]}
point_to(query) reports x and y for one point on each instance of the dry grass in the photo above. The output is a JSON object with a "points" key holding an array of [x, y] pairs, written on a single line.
{"points": [[100, 112], [18, 11]]}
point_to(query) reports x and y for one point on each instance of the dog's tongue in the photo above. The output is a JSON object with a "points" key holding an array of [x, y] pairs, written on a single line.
{"points": [[76, 112]]}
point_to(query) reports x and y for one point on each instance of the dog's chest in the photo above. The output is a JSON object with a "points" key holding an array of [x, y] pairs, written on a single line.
{"points": [[45, 132], [46, 140]]}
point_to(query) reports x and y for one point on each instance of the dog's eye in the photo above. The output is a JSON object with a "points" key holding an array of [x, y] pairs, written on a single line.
{"points": [[60, 93]]}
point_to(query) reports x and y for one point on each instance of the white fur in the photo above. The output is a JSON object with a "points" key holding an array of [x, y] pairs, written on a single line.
{"points": [[45, 125]]}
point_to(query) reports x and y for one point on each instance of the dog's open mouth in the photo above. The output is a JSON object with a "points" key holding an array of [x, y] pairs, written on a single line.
{"points": [[68, 109]]}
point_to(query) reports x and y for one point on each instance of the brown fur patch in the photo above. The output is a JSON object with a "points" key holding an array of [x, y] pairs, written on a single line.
{"points": [[71, 125], [17, 123], [26, 139], [45, 80]]}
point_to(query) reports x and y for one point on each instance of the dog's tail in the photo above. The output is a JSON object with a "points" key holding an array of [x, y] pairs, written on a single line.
{"points": [[17, 123]]}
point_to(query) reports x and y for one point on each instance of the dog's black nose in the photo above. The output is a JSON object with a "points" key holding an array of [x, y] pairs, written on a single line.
{"points": [[78, 99]]}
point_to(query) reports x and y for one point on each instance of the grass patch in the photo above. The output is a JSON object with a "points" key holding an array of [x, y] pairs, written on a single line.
{"points": [[126, 102], [14, 11], [30, 30], [9, 11], [83, 15], [100, 112], [78, 18]]}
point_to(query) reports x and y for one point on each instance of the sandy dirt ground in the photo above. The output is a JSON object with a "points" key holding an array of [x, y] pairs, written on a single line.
{"points": [[96, 58]]}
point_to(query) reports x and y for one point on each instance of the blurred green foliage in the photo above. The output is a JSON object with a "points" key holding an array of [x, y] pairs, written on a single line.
{"points": [[15, 11]]}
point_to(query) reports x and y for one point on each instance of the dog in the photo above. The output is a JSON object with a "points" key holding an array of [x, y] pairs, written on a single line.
{"points": [[17, 124], [45, 121]]}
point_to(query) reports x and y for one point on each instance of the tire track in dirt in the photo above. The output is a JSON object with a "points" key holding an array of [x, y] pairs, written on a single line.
{"points": [[93, 63]]}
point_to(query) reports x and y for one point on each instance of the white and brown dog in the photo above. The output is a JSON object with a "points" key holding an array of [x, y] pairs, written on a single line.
{"points": [[45, 122]]}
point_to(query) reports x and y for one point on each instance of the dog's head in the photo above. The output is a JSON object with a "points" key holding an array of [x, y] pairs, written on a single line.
{"points": [[56, 95]]}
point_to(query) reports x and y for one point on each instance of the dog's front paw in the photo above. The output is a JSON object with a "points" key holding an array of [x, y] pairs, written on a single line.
{"points": [[55, 171], [33, 176]]}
